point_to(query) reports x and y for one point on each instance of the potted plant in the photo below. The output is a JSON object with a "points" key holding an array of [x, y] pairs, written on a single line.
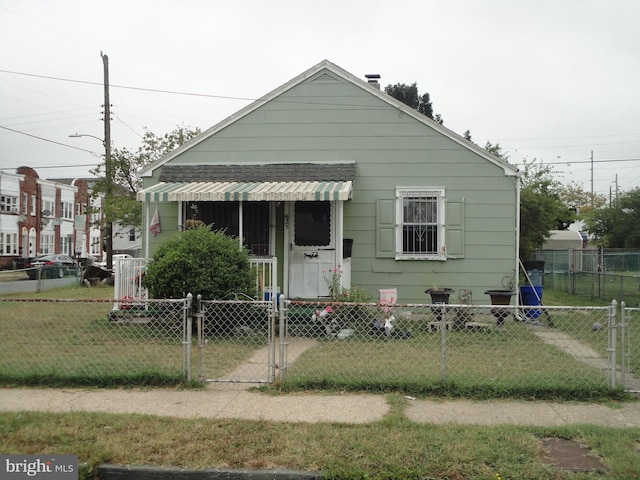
{"points": [[439, 295], [500, 297]]}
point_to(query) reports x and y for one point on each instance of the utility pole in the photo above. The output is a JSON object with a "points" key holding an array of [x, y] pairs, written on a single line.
{"points": [[108, 169], [592, 200]]}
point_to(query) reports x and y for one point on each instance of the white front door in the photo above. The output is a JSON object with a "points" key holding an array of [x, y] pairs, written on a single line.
{"points": [[312, 252]]}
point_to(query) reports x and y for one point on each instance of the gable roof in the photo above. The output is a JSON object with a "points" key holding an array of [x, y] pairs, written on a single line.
{"points": [[327, 66]]}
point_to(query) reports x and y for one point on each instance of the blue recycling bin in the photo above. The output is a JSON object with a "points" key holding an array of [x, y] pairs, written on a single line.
{"points": [[535, 270], [531, 296]]}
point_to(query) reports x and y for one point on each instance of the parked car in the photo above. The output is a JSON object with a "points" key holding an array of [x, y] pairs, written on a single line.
{"points": [[51, 266], [115, 257]]}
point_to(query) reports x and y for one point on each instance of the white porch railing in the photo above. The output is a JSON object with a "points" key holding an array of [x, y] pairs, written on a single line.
{"points": [[129, 275], [128, 282], [266, 277]]}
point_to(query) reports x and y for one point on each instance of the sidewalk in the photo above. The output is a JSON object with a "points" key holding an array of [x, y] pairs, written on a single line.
{"points": [[235, 401]]}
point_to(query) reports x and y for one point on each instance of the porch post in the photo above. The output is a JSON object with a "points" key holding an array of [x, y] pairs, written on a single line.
{"points": [[147, 206], [240, 223]]}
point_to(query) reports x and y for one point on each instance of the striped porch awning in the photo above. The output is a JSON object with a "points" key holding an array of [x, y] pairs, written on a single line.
{"points": [[246, 191]]}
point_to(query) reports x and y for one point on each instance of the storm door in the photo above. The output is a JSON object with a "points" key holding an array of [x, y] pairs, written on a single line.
{"points": [[312, 248]]}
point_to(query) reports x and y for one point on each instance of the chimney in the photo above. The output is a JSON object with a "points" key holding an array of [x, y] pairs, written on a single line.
{"points": [[372, 79]]}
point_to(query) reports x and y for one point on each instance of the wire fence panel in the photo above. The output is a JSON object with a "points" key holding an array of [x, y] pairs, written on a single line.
{"points": [[471, 346], [88, 342], [356, 345], [236, 341], [605, 273], [630, 348]]}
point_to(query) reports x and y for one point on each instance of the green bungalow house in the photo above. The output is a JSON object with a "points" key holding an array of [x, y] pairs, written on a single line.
{"points": [[328, 172]]}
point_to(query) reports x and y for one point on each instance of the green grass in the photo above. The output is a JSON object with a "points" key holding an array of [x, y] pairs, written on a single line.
{"points": [[479, 365], [77, 344], [598, 288], [597, 341], [393, 448]]}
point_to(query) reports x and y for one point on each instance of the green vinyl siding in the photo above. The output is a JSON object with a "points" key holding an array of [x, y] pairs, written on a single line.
{"points": [[328, 118]]}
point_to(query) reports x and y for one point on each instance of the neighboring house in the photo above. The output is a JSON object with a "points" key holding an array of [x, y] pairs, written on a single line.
{"points": [[85, 238], [328, 172], [127, 240], [39, 217]]}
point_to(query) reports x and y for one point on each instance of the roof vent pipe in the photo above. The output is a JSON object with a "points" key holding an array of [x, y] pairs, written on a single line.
{"points": [[372, 79]]}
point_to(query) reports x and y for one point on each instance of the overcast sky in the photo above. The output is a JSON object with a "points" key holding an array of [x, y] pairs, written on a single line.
{"points": [[551, 80]]}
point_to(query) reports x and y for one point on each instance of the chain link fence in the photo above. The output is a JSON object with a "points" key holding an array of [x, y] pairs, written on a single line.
{"points": [[604, 273], [87, 342], [416, 347], [473, 347], [236, 340]]}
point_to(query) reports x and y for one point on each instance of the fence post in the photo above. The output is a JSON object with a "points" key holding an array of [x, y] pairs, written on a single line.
{"points": [[625, 354], [272, 315], [199, 316], [611, 348], [186, 339], [282, 334]]}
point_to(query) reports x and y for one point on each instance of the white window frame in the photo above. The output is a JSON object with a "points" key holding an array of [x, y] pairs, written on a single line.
{"points": [[50, 206], [25, 203], [425, 192], [67, 210], [8, 243], [47, 243], [8, 204], [66, 244], [95, 245]]}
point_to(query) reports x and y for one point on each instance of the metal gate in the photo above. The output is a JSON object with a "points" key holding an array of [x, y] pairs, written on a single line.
{"points": [[236, 340], [624, 352]]}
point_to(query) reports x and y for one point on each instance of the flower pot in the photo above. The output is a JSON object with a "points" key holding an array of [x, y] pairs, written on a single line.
{"points": [[500, 297], [439, 295]]}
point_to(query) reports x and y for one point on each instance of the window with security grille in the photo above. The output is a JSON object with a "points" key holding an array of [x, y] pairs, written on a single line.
{"points": [[420, 227]]}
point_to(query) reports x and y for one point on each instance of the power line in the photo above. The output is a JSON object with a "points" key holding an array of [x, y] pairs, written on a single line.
{"points": [[41, 167], [172, 92], [606, 160], [50, 141]]}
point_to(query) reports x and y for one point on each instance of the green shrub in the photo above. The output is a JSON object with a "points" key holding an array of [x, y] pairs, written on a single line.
{"points": [[201, 262]]}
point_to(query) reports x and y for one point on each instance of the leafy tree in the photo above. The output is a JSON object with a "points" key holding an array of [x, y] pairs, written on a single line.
{"points": [[542, 208], [122, 207], [618, 225], [582, 201], [496, 150], [408, 94], [200, 261]]}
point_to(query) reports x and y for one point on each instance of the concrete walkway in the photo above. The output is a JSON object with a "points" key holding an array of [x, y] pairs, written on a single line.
{"points": [[230, 402]]}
